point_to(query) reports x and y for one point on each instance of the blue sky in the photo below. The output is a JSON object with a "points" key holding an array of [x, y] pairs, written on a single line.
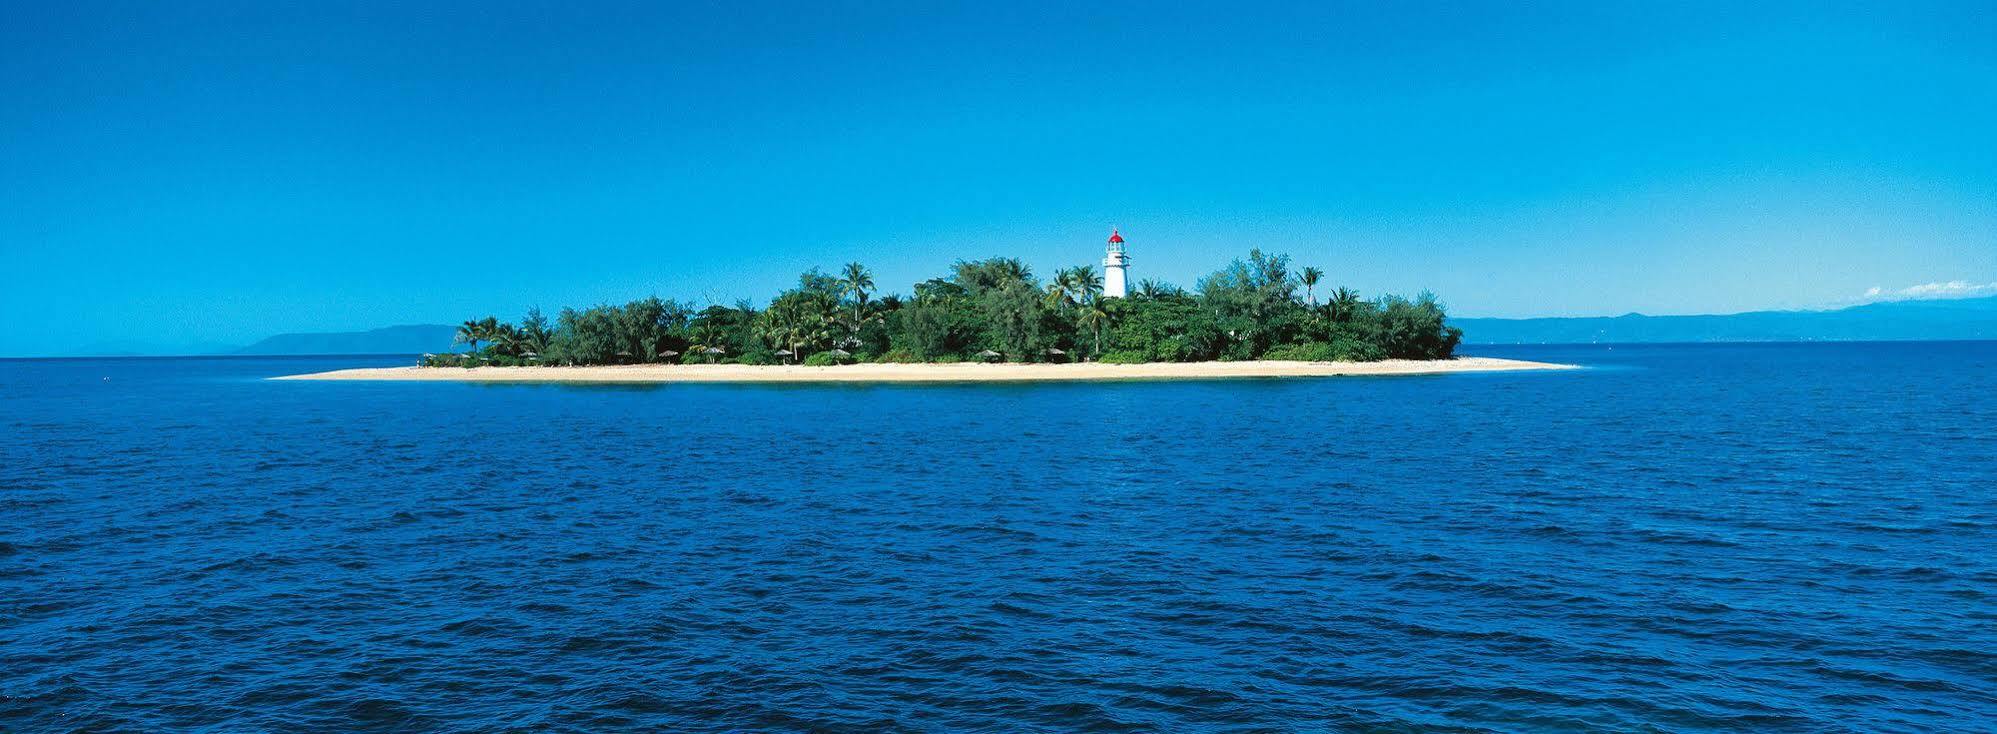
{"points": [[182, 174]]}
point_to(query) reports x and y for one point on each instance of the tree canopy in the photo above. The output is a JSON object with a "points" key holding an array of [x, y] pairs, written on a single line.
{"points": [[1254, 308]]}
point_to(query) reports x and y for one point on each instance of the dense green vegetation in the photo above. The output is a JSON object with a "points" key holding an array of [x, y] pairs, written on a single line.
{"points": [[991, 309]]}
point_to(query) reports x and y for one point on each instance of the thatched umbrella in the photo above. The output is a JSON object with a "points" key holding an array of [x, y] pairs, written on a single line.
{"points": [[989, 355], [713, 352], [841, 353], [668, 353]]}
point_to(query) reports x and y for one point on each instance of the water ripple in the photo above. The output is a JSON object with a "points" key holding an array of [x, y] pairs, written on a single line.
{"points": [[1734, 538]]}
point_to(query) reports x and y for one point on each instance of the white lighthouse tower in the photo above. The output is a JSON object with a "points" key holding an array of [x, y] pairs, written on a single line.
{"points": [[1116, 279]]}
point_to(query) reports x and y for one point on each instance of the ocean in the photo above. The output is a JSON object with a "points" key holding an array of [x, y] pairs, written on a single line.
{"points": [[1797, 537]]}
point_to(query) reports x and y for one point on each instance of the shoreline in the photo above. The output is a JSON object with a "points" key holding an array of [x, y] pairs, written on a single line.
{"points": [[916, 373]]}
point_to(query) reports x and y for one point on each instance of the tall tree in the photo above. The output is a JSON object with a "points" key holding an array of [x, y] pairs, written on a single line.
{"points": [[473, 331], [1094, 317], [859, 284], [928, 330], [798, 320], [1088, 284], [1254, 301], [1061, 291], [1343, 305], [469, 332], [508, 341], [1148, 288], [534, 330], [1310, 277], [938, 290], [996, 273], [1013, 319], [720, 327]]}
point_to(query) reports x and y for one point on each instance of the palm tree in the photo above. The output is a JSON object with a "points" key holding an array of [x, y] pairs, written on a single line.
{"points": [[1344, 303], [778, 329], [859, 283], [1074, 286], [1088, 284], [508, 340], [797, 320], [1061, 290], [1310, 277], [708, 333], [471, 332], [1094, 318]]}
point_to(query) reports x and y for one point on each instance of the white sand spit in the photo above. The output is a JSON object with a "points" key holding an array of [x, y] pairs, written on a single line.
{"points": [[966, 372]]}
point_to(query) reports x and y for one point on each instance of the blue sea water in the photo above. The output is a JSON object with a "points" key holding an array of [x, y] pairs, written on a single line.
{"points": [[1680, 538]]}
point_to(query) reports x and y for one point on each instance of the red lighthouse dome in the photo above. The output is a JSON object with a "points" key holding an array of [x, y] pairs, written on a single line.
{"points": [[1115, 238]]}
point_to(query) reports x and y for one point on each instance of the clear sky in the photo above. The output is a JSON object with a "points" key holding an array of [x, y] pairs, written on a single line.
{"points": [[191, 173]]}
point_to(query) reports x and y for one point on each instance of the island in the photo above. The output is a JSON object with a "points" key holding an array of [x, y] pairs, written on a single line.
{"points": [[987, 320]]}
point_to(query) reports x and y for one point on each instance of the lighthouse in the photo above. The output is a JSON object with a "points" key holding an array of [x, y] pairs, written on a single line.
{"points": [[1116, 263]]}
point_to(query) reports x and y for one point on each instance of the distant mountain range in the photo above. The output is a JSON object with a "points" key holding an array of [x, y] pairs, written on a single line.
{"points": [[414, 339], [1968, 318]]}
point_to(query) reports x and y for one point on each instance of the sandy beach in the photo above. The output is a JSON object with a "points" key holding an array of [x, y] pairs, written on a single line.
{"points": [[966, 372]]}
